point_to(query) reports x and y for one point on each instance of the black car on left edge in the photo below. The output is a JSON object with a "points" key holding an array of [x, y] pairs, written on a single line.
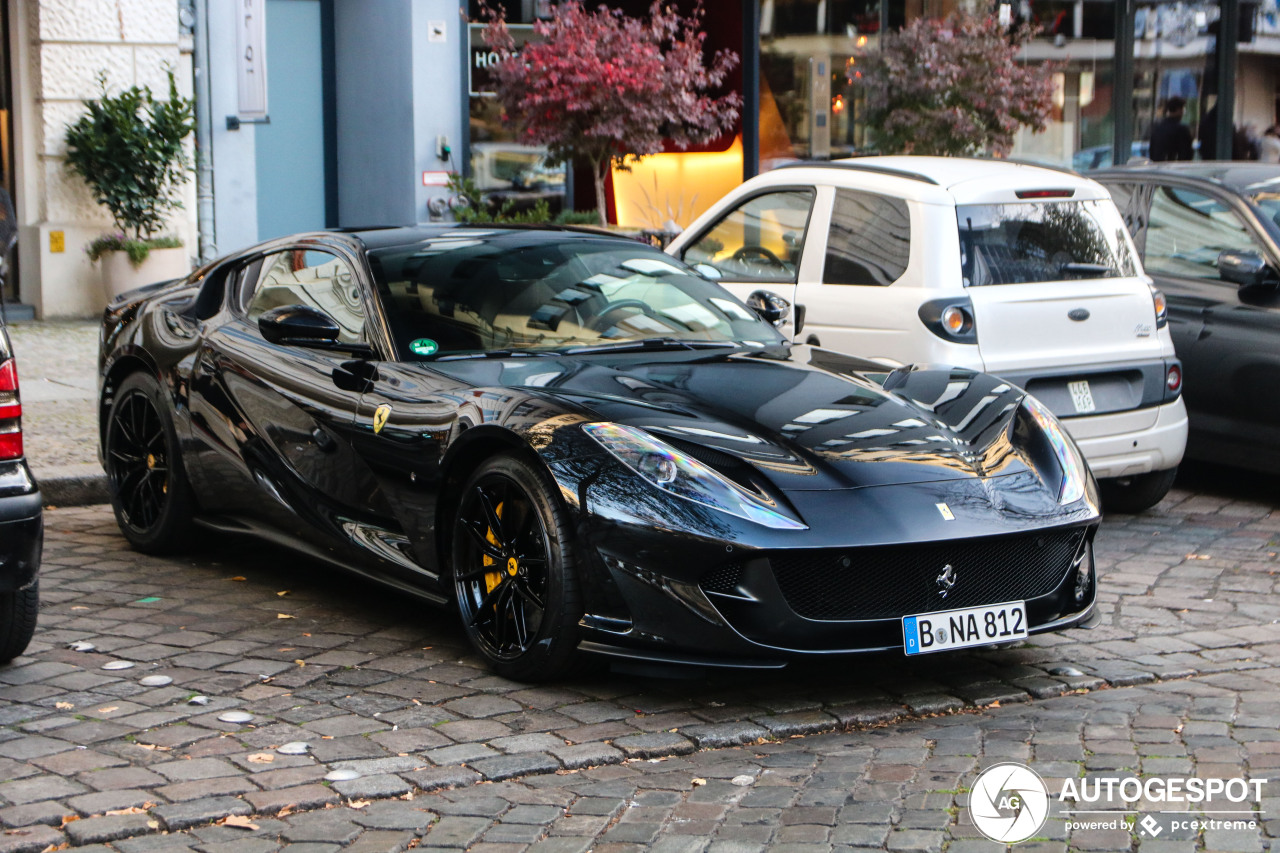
{"points": [[586, 447], [21, 519]]}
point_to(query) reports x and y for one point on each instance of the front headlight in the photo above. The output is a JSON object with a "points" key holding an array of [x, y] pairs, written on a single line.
{"points": [[676, 473], [1073, 469]]}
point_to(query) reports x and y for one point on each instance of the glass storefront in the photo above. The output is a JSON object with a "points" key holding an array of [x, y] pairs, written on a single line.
{"points": [[504, 169], [810, 51]]}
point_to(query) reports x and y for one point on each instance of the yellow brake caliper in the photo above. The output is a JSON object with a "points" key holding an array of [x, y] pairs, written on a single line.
{"points": [[492, 579]]}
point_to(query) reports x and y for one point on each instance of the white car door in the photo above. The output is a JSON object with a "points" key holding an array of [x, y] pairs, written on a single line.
{"points": [[881, 273], [759, 243]]}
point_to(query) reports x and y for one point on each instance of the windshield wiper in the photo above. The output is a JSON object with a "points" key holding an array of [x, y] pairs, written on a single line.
{"points": [[1089, 270], [652, 344], [495, 353]]}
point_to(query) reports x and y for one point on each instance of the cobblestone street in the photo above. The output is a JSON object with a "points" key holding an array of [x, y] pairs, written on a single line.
{"points": [[423, 747]]}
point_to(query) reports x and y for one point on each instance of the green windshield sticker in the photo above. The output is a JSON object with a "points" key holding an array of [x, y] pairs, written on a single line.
{"points": [[424, 346]]}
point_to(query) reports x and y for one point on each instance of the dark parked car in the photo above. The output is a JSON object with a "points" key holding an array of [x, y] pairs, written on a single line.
{"points": [[584, 446], [21, 516], [1209, 234]]}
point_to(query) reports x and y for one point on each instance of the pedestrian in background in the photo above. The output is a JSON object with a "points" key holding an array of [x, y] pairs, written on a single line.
{"points": [[1170, 138], [1269, 145]]}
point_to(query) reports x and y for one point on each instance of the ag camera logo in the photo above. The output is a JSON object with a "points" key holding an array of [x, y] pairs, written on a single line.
{"points": [[1009, 802]]}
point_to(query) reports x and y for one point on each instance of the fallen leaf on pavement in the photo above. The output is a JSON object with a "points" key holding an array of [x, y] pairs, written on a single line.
{"points": [[236, 578], [358, 804], [261, 758], [64, 706], [130, 810], [238, 821], [285, 616], [283, 592], [285, 812], [108, 709]]}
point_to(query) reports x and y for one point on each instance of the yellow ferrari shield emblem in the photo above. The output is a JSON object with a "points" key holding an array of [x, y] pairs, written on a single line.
{"points": [[380, 418]]}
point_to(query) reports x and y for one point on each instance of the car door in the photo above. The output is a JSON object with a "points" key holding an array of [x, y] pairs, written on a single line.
{"points": [[275, 420], [1228, 334], [859, 302], [759, 243]]}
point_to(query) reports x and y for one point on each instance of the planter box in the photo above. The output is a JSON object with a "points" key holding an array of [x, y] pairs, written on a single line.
{"points": [[119, 275]]}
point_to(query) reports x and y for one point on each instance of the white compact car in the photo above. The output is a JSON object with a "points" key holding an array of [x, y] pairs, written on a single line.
{"points": [[1022, 271]]}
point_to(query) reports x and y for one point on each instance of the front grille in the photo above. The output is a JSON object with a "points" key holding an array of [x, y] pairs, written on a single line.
{"points": [[723, 579], [887, 582]]}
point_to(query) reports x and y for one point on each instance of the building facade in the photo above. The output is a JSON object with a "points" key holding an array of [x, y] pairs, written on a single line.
{"points": [[327, 113]]}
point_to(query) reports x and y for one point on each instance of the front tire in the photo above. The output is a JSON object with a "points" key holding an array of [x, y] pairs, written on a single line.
{"points": [[514, 572], [149, 490], [18, 612], [1137, 493]]}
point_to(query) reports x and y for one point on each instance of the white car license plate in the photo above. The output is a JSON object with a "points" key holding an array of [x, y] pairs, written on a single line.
{"points": [[958, 629], [1081, 396]]}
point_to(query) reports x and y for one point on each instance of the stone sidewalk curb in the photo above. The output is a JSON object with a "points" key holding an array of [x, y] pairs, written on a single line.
{"points": [[73, 485]]}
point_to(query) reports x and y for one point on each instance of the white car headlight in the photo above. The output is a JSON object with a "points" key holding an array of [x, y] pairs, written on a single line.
{"points": [[666, 468], [1069, 460]]}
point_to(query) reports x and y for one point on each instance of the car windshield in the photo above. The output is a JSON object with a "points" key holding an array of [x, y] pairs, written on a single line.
{"points": [[1029, 242], [473, 292]]}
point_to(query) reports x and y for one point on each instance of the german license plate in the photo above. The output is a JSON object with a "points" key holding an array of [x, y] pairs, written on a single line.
{"points": [[1081, 396], [958, 629]]}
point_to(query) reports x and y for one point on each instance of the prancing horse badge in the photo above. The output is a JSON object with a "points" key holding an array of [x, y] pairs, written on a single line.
{"points": [[380, 417]]}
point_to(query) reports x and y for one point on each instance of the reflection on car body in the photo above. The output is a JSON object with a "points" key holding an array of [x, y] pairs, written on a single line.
{"points": [[584, 447]]}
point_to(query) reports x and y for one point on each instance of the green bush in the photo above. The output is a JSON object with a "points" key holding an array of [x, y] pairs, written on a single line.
{"points": [[478, 210], [137, 250], [128, 149]]}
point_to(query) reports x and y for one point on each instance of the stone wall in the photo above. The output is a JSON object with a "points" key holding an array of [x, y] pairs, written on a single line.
{"points": [[60, 48]]}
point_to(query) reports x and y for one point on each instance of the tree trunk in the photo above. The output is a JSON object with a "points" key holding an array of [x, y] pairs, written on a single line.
{"points": [[598, 168]]}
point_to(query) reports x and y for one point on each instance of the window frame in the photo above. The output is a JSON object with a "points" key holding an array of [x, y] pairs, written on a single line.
{"points": [[1228, 200], [813, 189]]}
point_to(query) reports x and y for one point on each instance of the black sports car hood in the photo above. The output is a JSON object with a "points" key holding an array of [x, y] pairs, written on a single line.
{"points": [[816, 420]]}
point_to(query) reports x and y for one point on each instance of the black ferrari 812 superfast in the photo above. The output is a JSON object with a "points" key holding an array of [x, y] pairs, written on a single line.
{"points": [[586, 447]]}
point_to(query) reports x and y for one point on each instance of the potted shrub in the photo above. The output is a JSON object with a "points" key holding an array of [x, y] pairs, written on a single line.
{"points": [[128, 149]]}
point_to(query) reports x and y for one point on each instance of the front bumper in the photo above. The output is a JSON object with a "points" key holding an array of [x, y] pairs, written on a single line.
{"points": [[761, 598], [21, 527]]}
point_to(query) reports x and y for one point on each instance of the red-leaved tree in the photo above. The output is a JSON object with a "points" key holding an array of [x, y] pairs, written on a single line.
{"points": [[607, 89], [954, 87]]}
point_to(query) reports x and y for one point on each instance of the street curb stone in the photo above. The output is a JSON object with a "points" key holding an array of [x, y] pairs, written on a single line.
{"points": [[73, 485]]}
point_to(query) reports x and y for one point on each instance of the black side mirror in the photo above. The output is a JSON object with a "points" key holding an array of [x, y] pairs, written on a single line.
{"points": [[1245, 268], [298, 325], [771, 307]]}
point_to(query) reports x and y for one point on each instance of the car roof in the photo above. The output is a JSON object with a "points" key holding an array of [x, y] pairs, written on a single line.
{"points": [[406, 235], [952, 180], [1236, 176]]}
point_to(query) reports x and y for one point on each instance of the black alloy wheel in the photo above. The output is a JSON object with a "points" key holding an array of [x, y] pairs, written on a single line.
{"points": [[513, 574], [149, 491]]}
